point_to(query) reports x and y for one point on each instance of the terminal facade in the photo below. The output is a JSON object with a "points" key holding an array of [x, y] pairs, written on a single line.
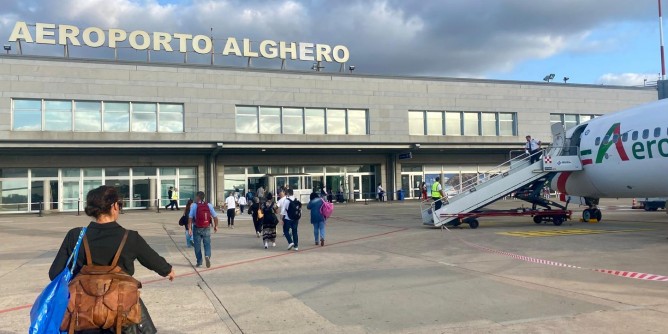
{"points": [[69, 125]]}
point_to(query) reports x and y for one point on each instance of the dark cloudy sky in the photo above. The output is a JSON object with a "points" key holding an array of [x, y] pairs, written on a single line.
{"points": [[590, 41]]}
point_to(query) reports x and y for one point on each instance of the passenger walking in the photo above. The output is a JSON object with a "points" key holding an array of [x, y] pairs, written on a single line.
{"points": [[105, 238], [256, 211], [231, 205], [172, 195], [423, 190], [381, 193], [189, 238], [242, 204], [317, 219], [532, 147], [269, 221], [260, 192], [291, 213], [437, 194], [202, 213]]}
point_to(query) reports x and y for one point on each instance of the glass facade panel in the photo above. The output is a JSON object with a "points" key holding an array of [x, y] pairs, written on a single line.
{"points": [[270, 120], [570, 121], [117, 116], [117, 172], [336, 121], [71, 172], [187, 189], [488, 124], [357, 123], [44, 172], [143, 171], [471, 124], [584, 118], [190, 171], [314, 121], [144, 117], [293, 121], [555, 118], [507, 124], [246, 120], [58, 115], [27, 115], [171, 117], [88, 116], [92, 172], [453, 123], [416, 123], [234, 170], [434, 123], [312, 169], [13, 172], [14, 195]]}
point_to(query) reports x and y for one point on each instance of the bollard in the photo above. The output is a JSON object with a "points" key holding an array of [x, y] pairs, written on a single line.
{"points": [[41, 207], [78, 207], [157, 201]]}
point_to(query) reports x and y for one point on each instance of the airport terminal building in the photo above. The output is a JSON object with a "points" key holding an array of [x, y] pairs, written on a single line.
{"points": [[68, 125]]}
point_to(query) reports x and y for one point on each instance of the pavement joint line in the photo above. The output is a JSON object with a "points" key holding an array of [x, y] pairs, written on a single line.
{"points": [[233, 264]]}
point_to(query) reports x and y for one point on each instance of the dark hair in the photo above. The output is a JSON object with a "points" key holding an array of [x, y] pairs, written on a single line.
{"points": [[200, 195], [188, 205], [100, 200], [269, 196], [290, 192], [313, 196]]}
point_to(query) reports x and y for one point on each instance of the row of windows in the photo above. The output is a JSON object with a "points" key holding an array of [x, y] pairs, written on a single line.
{"points": [[634, 136], [454, 123], [311, 121], [570, 120], [95, 116]]}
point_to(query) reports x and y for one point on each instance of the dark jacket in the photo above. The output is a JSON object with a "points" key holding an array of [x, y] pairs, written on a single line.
{"points": [[253, 209], [104, 240], [170, 194]]}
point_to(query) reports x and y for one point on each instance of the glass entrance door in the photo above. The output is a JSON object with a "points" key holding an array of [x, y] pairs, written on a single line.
{"points": [[70, 191], [165, 183]]}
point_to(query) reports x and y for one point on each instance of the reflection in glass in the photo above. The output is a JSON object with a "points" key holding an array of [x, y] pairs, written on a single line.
{"points": [[453, 123], [336, 122], [488, 124], [171, 117], [471, 124], [270, 120], [88, 116], [144, 117], [117, 172], [357, 123], [416, 123], [293, 122], [314, 121], [507, 124], [92, 172], [570, 121], [246, 120], [116, 116], [27, 115], [191, 171], [44, 172], [58, 115], [434, 123], [14, 195], [187, 189]]}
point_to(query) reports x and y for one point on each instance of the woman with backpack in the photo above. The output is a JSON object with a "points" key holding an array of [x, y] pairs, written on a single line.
{"points": [[317, 219], [106, 243], [257, 214], [269, 221]]}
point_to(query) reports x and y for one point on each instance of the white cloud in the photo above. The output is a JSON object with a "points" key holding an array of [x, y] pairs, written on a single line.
{"points": [[627, 79]]}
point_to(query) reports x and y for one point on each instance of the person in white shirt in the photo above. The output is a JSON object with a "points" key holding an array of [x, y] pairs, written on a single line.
{"points": [[532, 147], [289, 225], [242, 203], [381, 193], [231, 205]]}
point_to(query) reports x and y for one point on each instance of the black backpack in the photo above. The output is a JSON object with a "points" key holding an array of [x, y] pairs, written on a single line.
{"points": [[294, 209], [269, 219]]}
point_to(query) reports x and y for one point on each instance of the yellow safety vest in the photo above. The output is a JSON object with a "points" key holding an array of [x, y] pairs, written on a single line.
{"points": [[175, 195], [434, 190]]}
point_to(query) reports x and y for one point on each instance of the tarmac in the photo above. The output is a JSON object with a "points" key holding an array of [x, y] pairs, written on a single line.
{"points": [[380, 271]]}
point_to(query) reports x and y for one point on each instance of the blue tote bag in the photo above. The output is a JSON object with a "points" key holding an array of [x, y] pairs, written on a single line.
{"points": [[49, 308]]}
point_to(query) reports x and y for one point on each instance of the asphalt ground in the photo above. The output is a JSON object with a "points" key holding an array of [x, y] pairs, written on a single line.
{"points": [[380, 271]]}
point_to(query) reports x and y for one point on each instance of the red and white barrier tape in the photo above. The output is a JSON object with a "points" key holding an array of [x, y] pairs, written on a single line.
{"points": [[619, 273]]}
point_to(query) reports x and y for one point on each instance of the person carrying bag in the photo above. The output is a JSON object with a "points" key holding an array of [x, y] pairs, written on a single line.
{"points": [[49, 308]]}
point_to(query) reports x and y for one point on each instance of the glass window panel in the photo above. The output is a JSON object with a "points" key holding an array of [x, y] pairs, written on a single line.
{"points": [[88, 116], [312, 169], [187, 190], [14, 195], [471, 124], [235, 170], [584, 118], [570, 121], [27, 115], [314, 120], [293, 122], [453, 124], [71, 172], [270, 120], [336, 121], [488, 121], [334, 169], [144, 117], [187, 171], [116, 116], [58, 115], [117, 172], [13, 172], [143, 171], [416, 123], [246, 120], [555, 118], [167, 171], [92, 172], [507, 124], [44, 172], [434, 123], [171, 118], [258, 170], [357, 122], [294, 170]]}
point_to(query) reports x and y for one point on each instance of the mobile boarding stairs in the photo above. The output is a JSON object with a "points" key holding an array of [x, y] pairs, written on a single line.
{"points": [[517, 176]]}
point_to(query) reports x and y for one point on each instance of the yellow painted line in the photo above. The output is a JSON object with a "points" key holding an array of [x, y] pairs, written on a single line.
{"points": [[556, 233]]}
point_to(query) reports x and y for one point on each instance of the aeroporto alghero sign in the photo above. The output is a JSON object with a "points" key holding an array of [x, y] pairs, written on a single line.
{"points": [[94, 37]]}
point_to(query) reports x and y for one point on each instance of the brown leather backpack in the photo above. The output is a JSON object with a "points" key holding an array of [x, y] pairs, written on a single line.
{"points": [[102, 296]]}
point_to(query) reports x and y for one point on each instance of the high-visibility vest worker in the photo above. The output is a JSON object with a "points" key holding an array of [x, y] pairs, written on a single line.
{"points": [[435, 192], [175, 194]]}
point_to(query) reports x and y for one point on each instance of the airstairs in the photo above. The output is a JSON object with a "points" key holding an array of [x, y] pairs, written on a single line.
{"points": [[517, 175]]}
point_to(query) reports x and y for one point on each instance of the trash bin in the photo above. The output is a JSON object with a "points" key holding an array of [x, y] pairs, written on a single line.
{"points": [[400, 194]]}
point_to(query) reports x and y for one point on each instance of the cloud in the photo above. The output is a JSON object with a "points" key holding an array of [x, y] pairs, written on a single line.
{"points": [[628, 79], [426, 37]]}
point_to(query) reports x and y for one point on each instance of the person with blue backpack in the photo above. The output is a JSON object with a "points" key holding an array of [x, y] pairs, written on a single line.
{"points": [[320, 211]]}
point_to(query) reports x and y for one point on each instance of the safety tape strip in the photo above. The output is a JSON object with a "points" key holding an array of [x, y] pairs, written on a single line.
{"points": [[619, 273]]}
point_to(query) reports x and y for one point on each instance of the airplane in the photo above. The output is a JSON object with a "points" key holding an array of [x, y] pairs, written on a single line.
{"points": [[624, 155]]}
